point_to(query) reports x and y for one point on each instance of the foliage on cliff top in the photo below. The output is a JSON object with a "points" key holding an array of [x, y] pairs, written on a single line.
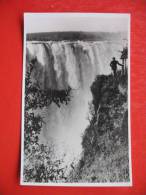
{"points": [[105, 155]]}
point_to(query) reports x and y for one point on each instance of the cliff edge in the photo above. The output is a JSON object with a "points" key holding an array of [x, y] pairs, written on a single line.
{"points": [[105, 141]]}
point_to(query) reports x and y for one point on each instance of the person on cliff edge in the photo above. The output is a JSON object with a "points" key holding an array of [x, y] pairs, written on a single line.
{"points": [[113, 66]]}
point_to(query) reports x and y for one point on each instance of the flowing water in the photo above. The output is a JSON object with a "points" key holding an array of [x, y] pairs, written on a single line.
{"points": [[66, 64]]}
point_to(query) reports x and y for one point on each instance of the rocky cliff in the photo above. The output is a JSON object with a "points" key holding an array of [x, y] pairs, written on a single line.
{"points": [[105, 140]]}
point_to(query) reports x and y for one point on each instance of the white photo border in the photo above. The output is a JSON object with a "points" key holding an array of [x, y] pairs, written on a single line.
{"points": [[104, 184]]}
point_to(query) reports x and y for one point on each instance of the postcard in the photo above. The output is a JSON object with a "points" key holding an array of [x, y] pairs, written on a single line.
{"points": [[76, 100]]}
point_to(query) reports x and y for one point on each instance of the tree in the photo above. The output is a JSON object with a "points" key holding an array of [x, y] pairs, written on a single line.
{"points": [[39, 165]]}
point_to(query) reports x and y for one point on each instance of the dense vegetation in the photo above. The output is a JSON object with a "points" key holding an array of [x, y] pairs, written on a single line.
{"points": [[40, 164], [105, 155]]}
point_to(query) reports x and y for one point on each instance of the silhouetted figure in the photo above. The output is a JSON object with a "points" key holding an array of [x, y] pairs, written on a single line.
{"points": [[113, 66]]}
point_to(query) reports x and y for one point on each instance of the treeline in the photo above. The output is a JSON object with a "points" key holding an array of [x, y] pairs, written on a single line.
{"points": [[75, 36]]}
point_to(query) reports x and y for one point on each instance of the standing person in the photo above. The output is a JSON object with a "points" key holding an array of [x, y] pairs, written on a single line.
{"points": [[113, 66]]}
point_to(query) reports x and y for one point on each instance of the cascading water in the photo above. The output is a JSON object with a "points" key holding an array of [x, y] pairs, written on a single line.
{"points": [[66, 64]]}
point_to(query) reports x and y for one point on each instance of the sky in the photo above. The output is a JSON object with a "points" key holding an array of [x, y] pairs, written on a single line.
{"points": [[91, 22]]}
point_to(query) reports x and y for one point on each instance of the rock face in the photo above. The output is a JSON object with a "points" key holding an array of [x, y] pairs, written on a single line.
{"points": [[105, 155]]}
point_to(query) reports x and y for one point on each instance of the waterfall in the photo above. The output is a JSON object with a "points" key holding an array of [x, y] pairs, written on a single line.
{"points": [[63, 64]]}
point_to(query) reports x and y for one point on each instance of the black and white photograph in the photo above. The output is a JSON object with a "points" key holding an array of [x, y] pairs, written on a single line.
{"points": [[76, 100]]}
